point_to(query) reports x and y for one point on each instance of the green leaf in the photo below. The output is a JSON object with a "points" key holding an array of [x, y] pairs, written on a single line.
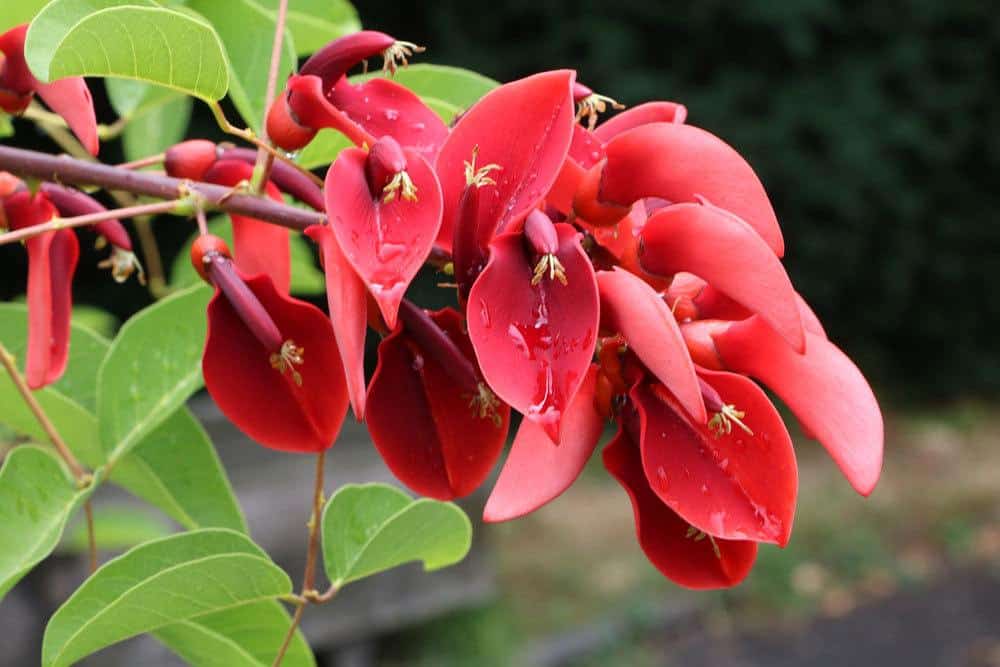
{"points": [[6, 127], [369, 528], [157, 126], [15, 13], [313, 23], [37, 497], [146, 43], [176, 469], [247, 31], [323, 149], [86, 352], [158, 584], [115, 529], [98, 321], [153, 366], [247, 636], [306, 277]]}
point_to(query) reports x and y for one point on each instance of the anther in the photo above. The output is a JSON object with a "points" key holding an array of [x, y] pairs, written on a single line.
{"points": [[590, 105], [479, 176], [123, 263], [485, 405], [550, 264], [725, 414], [699, 535], [400, 184], [397, 53], [287, 358]]}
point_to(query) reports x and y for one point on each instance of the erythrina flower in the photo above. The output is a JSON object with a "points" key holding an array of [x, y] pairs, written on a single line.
{"points": [[69, 97], [270, 362]]}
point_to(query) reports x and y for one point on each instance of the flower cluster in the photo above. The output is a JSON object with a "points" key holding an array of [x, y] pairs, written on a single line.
{"points": [[627, 272]]}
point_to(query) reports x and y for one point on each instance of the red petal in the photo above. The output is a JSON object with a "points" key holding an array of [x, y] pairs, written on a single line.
{"points": [[525, 127], [663, 535], [723, 250], [422, 423], [632, 308], [311, 109], [824, 389], [537, 470], [346, 298], [70, 98], [52, 259], [650, 112], [258, 246], [385, 108], [735, 485], [386, 243], [678, 162], [535, 342], [262, 402], [810, 322]]}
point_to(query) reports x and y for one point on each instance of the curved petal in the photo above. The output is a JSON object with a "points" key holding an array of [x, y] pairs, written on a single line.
{"points": [[632, 308], [810, 322], [309, 108], [537, 470], [385, 242], [346, 298], [385, 108], [650, 112], [677, 162], [264, 403], [70, 98], [421, 422], [258, 246], [534, 343], [730, 484], [723, 250], [525, 127], [665, 537], [823, 388]]}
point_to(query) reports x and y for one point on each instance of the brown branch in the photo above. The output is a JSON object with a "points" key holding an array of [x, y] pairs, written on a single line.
{"points": [[90, 219], [265, 160], [70, 171]]}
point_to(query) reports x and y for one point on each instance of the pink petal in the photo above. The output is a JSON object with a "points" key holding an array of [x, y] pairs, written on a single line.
{"points": [[650, 112]]}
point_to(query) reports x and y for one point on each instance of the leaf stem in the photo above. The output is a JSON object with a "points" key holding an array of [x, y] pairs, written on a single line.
{"points": [[265, 159], [88, 510], [142, 162], [90, 219], [309, 576]]}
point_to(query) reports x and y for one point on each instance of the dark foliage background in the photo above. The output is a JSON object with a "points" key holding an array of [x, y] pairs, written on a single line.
{"points": [[874, 127]]}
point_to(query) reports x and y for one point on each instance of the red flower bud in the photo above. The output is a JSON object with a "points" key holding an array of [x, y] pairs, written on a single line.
{"points": [[190, 159]]}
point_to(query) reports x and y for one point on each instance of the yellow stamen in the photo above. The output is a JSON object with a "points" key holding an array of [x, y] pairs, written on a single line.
{"points": [[699, 535], [485, 405], [593, 105], [400, 182], [123, 263], [398, 53], [481, 176], [287, 358], [723, 420], [550, 264]]}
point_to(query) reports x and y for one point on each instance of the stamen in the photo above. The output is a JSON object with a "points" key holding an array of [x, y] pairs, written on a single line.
{"points": [[484, 405], [123, 263], [593, 105], [723, 420], [400, 182], [481, 176], [699, 535], [287, 358], [550, 264], [398, 53]]}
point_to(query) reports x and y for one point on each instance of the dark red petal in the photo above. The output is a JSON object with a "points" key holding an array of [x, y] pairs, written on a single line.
{"points": [[345, 296], [535, 342], [385, 242], [333, 61], [733, 484], [422, 423], [262, 402], [725, 251], [384, 108], [537, 470], [678, 162], [824, 389], [663, 535], [632, 308], [525, 127], [71, 202], [258, 246], [650, 112]]}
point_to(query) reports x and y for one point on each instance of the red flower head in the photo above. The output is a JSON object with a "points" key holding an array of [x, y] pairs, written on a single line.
{"points": [[68, 97]]}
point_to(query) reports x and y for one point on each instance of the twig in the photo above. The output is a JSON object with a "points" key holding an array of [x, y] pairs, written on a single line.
{"points": [[265, 160], [148, 161], [90, 219], [88, 510], [309, 577]]}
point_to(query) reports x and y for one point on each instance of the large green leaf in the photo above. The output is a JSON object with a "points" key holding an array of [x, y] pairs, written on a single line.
{"points": [[369, 528], [153, 366], [16, 12], [116, 528], [323, 149], [306, 277], [313, 23], [247, 31], [157, 124], [6, 127], [158, 584], [37, 497], [121, 39], [247, 636]]}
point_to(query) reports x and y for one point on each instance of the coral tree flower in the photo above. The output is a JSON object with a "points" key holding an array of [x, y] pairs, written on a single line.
{"points": [[271, 362], [69, 97]]}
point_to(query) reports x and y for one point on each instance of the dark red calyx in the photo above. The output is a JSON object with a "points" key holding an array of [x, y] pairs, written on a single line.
{"points": [[385, 170], [190, 159], [335, 59], [283, 126], [288, 179], [540, 234]]}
